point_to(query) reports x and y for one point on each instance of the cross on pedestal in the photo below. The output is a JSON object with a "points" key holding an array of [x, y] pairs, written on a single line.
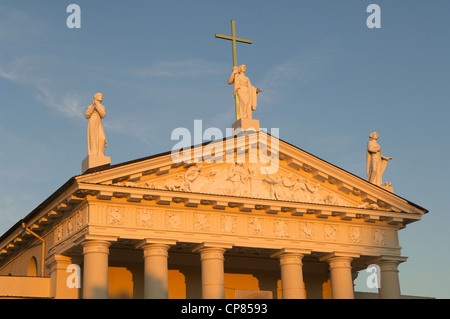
{"points": [[234, 39]]}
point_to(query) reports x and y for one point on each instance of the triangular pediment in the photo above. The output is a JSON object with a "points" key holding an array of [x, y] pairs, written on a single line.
{"points": [[257, 166]]}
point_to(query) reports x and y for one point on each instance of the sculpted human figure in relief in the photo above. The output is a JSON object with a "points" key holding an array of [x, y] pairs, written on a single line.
{"points": [[246, 93], [376, 163], [95, 135]]}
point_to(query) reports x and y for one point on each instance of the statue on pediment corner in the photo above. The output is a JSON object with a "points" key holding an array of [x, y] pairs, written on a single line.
{"points": [[376, 163], [95, 134]]}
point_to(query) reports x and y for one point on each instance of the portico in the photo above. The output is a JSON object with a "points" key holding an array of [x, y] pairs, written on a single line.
{"points": [[213, 261], [155, 229]]}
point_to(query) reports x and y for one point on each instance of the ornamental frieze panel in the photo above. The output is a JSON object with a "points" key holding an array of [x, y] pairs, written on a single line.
{"points": [[306, 230], [330, 232], [379, 237], [174, 220], [115, 215], [202, 222], [144, 217], [228, 224], [255, 226], [251, 226], [281, 228], [355, 234], [70, 225]]}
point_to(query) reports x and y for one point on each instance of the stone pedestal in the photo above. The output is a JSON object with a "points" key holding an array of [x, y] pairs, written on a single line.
{"points": [[246, 125], [94, 161]]}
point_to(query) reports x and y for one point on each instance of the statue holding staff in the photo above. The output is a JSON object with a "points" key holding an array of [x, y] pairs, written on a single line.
{"points": [[246, 93]]}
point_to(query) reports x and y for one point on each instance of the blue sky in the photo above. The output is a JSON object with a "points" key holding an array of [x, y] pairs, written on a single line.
{"points": [[328, 81]]}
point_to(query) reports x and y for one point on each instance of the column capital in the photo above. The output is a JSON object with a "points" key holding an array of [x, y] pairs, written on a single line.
{"points": [[161, 250], [389, 259], [96, 246], [290, 251], [204, 245], [154, 241], [97, 237], [329, 256]]}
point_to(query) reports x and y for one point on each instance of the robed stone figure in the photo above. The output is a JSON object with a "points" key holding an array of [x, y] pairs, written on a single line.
{"points": [[376, 163], [246, 93], [96, 138]]}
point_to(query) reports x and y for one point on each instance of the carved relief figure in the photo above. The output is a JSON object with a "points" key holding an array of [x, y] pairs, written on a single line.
{"points": [[314, 195], [79, 219], [256, 186], [237, 176], [190, 176], [59, 233], [333, 199], [246, 93], [376, 163], [95, 135]]}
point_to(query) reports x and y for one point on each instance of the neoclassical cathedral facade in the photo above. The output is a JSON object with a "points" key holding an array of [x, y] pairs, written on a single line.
{"points": [[251, 220]]}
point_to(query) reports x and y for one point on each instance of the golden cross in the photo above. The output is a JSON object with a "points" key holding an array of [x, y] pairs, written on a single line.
{"points": [[234, 39]]}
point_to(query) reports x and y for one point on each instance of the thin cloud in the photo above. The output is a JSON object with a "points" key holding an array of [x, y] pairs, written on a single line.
{"points": [[24, 71], [185, 68], [303, 68]]}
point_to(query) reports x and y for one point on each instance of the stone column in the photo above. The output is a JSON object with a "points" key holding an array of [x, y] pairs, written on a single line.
{"points": [[341, 276], [95, 270], [292, 284], [212, 259], [156, 277], [60, 289], [389, 280]]}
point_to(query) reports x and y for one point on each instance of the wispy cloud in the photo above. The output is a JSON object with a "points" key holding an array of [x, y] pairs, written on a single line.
{"points": [[303, 68], [28, 71], [184, 68]]}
